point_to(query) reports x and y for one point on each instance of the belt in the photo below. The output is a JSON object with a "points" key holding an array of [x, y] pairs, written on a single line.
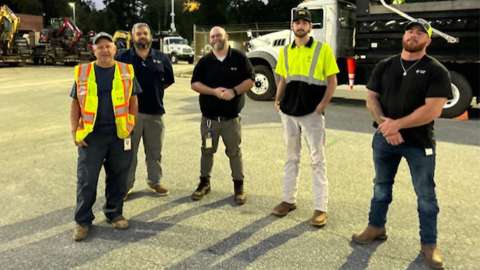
{"points": [[220, 118]]}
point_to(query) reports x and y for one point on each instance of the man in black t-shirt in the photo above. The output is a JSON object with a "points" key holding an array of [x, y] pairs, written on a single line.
{"points": [[221, 77], [406, 93]]}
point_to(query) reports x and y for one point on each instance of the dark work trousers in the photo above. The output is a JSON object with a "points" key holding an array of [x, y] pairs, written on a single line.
{"points": [[230, 131], [107, 150]]}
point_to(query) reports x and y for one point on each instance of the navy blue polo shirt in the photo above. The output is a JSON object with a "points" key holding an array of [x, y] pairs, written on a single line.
{"points": [[153, 74]]}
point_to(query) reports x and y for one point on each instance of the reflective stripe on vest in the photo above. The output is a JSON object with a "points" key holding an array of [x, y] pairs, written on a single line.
{"points": [[87, 96], [310, 79]]}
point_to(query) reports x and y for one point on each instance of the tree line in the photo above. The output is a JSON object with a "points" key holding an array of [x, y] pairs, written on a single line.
{"points": [[122, 14]]}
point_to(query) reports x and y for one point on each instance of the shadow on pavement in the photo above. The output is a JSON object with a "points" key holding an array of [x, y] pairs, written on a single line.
{"points": [[360, 256]]}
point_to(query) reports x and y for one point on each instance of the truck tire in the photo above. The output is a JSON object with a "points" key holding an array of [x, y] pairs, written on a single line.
{"points": [[264, 87], [173, 58], [462, 96], [190, 60]]}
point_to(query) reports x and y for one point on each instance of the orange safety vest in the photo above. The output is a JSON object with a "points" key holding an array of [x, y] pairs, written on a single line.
{"points": [[122, 87]]}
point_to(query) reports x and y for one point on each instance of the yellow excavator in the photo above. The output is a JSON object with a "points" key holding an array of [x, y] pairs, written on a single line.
{"points": [[13, 48], [122, 39]]}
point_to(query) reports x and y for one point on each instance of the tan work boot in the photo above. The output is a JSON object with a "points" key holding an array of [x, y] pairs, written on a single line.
{"points": [[80, 232], [283, 208], [159, 189], [239, 194], [432, 256], [369, 235], [119, 223], [319, 218]]}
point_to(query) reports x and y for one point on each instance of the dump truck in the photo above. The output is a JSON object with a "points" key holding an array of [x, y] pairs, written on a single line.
{"points": [[363, 32]]}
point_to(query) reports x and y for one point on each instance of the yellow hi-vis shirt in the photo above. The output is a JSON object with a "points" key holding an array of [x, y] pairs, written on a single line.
{"points": [[310, 64]]}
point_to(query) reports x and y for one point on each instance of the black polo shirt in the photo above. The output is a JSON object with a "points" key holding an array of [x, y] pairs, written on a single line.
{"points": [[401, 95], [230, 72], [153, 74]]}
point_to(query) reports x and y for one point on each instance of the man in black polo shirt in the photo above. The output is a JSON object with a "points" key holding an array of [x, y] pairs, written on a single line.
{"points": [[155, 74], [221, 77], [406, 93]]}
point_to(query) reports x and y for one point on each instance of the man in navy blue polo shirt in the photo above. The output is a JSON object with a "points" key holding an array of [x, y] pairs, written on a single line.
{"points": [[155, 74]]}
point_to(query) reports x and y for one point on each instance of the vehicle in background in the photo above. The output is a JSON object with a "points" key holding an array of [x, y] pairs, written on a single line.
{"points": [[363, 32], [14, 48], [62, 43], [122, 39]]}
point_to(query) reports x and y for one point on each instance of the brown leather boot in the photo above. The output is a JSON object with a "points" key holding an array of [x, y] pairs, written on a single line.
{"points": [[432, 256], [80, 232], [369, 235], [319, 218], [202, 189], [119, 223], [239, 194], [283, 208], [159, 189]]}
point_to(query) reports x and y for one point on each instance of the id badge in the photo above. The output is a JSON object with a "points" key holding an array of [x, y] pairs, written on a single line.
{"points": [[428, 151], [209, 140], [127, 144]]}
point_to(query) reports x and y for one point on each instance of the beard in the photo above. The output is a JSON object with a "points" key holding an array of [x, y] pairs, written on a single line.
{"points": [[413, 46], [142, 44], [219, 45], [300, 33]]}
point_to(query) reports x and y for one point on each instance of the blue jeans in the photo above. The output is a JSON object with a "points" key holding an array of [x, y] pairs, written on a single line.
{"points": [[422, 166]]}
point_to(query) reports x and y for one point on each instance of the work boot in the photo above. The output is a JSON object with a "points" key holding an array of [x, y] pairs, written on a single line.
{"points": [[319, 218], [369, 235], [202, 189], [283, 208], [80, 232], [119, 223], [159, 189], [239, 195], [432, 256]]}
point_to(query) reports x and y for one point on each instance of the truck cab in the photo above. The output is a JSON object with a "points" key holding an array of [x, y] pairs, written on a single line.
{"points": [[178, 49]]}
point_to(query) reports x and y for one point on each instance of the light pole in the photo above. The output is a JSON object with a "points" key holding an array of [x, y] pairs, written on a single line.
{"points": [[172, 25], [72, 5]]}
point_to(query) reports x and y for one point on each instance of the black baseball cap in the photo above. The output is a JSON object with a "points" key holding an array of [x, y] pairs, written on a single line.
{"points": [[302, 14], [424, 25], [101, 35]]}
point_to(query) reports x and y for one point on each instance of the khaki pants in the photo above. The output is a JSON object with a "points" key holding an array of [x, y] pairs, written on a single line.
{"points": [[230, 131], [312, 126]]}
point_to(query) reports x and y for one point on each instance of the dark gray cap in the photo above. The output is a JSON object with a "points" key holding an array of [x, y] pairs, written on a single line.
{"points": [[101, 35], [423, 24]]}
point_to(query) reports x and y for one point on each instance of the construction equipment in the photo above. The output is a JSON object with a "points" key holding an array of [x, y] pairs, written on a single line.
{"points": [[14, 48], [363, 32], [122, 39], [61, 43]]}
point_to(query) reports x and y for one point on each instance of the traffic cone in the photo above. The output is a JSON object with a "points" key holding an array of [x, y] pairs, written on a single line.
{"points": [[462, 117], [351, 72]]}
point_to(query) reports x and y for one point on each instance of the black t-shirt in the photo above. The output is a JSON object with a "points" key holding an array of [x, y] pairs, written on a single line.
{"points": [[401, 95], [153, 74], [105, 119], [230, 72]]}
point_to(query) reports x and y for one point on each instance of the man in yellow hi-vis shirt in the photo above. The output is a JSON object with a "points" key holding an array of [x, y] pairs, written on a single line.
{"points": [[307, 69]]}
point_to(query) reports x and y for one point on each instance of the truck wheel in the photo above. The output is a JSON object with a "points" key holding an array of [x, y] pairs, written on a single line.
{"points": [[462, 96], [190, 60], [173, 58], [264, 87]]}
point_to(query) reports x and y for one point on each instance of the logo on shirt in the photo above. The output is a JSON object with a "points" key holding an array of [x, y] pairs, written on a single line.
{"points": [[421, 71], [233, 68], [155, 61]]}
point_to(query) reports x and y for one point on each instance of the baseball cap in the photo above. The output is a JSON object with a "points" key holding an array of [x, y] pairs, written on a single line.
{"points": [[302, 14], [101, 35], [424, 25]]}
